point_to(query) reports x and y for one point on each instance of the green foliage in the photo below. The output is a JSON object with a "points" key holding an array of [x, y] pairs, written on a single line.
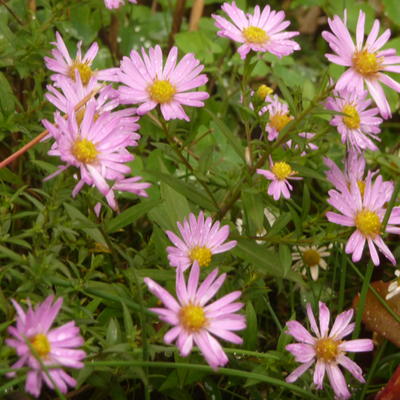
{"points": [[53, 243]]}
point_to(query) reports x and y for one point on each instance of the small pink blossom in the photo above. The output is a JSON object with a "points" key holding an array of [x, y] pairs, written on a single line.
{"points": [[63, 65], [195, 322], [116, 3], [305, 144], [360, 124], [261, 31], [278, 116], [146, 81], [97, 146], [354, 168], [201, 239], [279, 174], [54, 347], [365, 212], [366, 62], [327, 349]]}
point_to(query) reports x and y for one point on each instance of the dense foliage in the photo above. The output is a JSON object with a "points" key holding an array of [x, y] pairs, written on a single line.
{"points": [[99, 259]]}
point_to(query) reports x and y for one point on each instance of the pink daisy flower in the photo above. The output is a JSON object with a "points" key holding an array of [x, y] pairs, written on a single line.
{"points": [[326, 349], [97, 146], [354, 168], [279, 174], [359, 124], [116, 3], [63, 65], [260, 31], [54, 347], [201, 239], [306, 143], [366, 62], [365, 212], [149, 83], [69, 93], [278, 116], [195, 322]]}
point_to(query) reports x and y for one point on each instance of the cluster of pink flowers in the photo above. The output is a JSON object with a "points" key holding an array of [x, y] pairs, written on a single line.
{"points": [[95, 140]]}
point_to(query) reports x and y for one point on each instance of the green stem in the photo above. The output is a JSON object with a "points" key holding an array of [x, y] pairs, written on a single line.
{"points": [[372, 370], [186, 162], [222, 371], [376, 294], [361, 302], [233, 195], [342, 284]]}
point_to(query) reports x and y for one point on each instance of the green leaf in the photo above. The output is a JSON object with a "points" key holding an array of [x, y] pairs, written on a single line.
{"points": [[250, 334], [230, 136], [131, 215], [185, 189]]}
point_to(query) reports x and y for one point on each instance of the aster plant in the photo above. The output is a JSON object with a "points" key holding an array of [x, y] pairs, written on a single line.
{"points": [[196, 322], [200, 240], [279, 174], [359, 124], [367, 63], [262, 31], [38, 346], [148, 82], [327, 349], [365, 212], [97, 146]]}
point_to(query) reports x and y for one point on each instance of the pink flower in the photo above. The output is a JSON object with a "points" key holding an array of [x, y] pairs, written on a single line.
{"points": [[279, 174], [304, 144], [195, 322], [366, 62], [365, 212], [201, 239], [261, 31], [327, 349], [359, 124], [278, 116], [115, 3], [96, 145], [52, 346], [149, 83], [353, 172], [69, 93], [63, 65]]}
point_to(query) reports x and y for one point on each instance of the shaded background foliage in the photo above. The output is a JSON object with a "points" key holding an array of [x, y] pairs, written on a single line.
{"points": [[52, 243]]}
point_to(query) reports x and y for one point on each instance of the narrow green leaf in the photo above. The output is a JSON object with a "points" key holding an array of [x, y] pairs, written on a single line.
{"points": [[131, 215]]}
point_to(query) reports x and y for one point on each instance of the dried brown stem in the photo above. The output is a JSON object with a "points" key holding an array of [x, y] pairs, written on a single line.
{"points": [[177, 21], [196, 14], [42, 135]]}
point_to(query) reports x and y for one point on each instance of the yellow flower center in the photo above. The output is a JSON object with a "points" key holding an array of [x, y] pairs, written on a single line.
{"points": [[279, 121], [368, 223], [202, 255], [352, 120], [84, 71], [361, 186], [263, 91], [41, 344], [311, 257], [84, 151], [327, 349], [366, 63], [162, 91], [282, 170], [192, 317], [254, 34]]}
